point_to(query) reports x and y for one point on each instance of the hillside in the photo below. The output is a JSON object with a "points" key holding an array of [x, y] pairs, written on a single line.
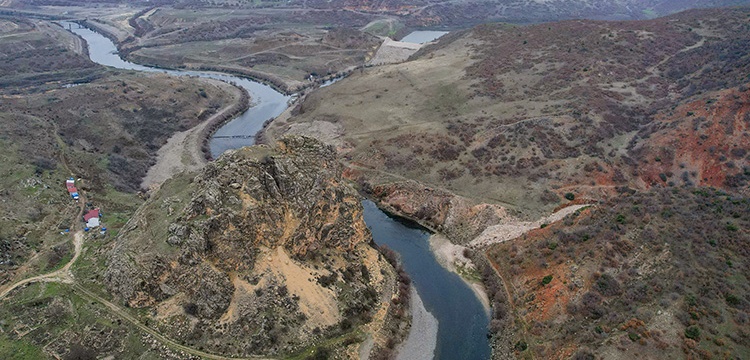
{"points": [[285, 42], [61, 115], [536, 112], [48, 132], [652, 275], [484, 134], [264, 252]]}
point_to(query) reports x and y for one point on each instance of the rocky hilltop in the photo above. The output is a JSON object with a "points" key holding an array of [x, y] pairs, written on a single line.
{"points": [[264, 252]]}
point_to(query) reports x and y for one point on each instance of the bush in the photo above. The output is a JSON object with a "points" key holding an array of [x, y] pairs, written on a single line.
{"points": [[547, 279], [521, 346], [42, 163], [693, 332], [80, 352], [633, 336], [190, 309], [570, 196], [607, 285], [732, 299], [321, 353]]}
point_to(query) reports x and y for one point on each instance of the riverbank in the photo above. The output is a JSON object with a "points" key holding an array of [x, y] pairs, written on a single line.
{"points": [[421, 342], [461, 316], [126, 48], [453, 258], [185, 150]]}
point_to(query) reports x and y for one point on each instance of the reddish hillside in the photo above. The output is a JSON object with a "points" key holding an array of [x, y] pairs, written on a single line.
{"points": [[704, 142], [655, 275]]}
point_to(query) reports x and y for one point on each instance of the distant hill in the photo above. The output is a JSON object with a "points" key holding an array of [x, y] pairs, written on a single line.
{"points": [[437, 12]]}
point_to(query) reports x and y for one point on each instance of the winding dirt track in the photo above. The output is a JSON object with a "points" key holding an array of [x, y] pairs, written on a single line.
{"points": [[62, 275], [163, 339]]}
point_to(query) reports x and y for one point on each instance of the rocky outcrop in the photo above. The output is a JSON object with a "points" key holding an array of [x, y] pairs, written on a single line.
{"points": [[268, 254], [457, 217]]}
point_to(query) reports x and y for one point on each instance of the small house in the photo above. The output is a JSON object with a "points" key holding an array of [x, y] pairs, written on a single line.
{"points": [[70, 184], [92, 218]]}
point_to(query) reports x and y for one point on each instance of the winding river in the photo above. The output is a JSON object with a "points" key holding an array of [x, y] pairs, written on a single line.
{"points": [[443, 296], [267, 102]]}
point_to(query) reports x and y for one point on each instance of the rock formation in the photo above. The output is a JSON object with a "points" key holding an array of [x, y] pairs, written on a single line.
{"points": [[268, 254]]}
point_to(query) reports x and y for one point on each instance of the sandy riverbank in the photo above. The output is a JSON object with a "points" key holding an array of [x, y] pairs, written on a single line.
{"points": [[422, 340], [449, 255], [182, 152]]}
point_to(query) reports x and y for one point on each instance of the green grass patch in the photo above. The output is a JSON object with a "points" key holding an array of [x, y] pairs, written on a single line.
{"points": [[469, 273], [19, 349]]}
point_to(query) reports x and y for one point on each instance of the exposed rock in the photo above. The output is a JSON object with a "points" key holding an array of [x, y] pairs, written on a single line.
{"points": [[459, 218], [247, 253]]}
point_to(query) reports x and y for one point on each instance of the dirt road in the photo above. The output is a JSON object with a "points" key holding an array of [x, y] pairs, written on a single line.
{"points": [[163, 339], [62, 275]]}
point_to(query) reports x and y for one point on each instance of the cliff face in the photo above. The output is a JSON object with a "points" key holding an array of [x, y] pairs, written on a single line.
{"points": [[268, 253]]}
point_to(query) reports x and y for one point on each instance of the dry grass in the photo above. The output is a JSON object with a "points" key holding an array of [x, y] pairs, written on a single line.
{"points": [[514, 115]]}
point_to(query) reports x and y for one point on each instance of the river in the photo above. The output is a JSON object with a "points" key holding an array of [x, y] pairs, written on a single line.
{"points": [[422, 36], [461, 319], [267, 102]]}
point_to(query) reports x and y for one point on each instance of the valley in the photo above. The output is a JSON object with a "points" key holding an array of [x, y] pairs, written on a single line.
{"points": [[587, 179]]}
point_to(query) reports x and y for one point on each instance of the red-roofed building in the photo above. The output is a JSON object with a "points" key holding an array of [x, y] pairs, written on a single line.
{"points": [[91, 214], [92, 218]]}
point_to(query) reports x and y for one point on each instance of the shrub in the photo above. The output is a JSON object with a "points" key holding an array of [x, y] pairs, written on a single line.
{"points": [[521, 346], [633, 336], [547, 279], [608, 285], [620, 218], [570, 196], [732, 299], [190, 309], [693, 332], [321, 353], [80, 352], [690, 300]]}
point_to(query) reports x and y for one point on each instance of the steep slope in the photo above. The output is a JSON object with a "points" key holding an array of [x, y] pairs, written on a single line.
{"points": [[657, 275], [264, 252]]}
